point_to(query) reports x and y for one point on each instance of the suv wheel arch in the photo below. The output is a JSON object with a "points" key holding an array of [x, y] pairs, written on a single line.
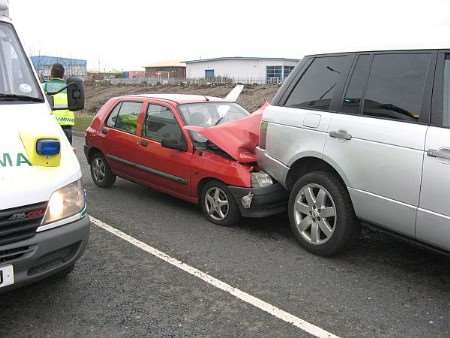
{"points": [[306, 165]]}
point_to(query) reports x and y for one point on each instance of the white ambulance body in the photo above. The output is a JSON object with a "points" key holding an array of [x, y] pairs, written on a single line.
{"points": [[44, 227]]}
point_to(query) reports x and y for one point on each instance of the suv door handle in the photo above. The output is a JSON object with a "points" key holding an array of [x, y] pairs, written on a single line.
{"points": [[142, 143], [441, 153], [340, 134]]}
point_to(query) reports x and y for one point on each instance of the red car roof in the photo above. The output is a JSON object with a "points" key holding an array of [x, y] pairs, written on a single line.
{"points": [[177, 98]]}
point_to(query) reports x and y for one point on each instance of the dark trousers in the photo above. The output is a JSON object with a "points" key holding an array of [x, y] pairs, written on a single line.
{"points": [[68, 131]]}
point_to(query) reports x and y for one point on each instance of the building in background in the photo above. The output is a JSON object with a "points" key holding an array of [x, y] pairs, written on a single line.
{"points": [[166, 71], [73, 67], [104, 76], [241, 69], [134, 74]]}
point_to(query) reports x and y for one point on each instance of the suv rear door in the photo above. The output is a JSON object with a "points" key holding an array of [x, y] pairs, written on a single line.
{"points": [[433, 217], [298, 123], [377, 141]]}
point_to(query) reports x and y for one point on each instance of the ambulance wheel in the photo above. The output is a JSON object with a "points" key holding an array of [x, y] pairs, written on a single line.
{"points": [[101, 171], [218, 204]]}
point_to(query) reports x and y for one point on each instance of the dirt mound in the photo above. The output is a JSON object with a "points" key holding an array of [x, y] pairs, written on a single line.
{"points": [[251, 98]]}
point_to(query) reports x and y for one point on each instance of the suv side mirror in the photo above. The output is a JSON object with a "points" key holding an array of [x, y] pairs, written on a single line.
{"points": [[172, 143], [75, 94]]}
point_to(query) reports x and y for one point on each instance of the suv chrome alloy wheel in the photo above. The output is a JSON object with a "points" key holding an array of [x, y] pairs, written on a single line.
{"points": [[99, 169], [217, 204], [315, 214]]}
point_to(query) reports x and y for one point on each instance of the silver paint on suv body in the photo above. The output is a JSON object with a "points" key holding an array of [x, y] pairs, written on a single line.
{"points": [[397, 173]]}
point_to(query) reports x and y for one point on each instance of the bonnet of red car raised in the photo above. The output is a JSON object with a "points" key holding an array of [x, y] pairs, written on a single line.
{"points": [[237, 138]]}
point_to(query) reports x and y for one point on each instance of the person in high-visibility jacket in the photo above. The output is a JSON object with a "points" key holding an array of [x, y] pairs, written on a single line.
{"points": [[65, 117]]}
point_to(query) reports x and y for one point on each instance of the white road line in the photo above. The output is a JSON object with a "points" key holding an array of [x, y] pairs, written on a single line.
{"points": [[243, 296]]}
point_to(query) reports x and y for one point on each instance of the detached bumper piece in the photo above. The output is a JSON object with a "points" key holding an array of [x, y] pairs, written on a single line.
{"points": [[261, 202]]}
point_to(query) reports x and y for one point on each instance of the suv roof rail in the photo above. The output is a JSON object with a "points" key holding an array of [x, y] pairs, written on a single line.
{"points": [[4, 8]]}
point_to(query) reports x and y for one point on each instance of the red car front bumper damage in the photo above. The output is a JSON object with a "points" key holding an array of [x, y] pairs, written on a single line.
{"points": [[239, 140]]}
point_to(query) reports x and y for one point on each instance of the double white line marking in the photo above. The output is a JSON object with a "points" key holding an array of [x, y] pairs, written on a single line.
{"points": [[243, 296]]}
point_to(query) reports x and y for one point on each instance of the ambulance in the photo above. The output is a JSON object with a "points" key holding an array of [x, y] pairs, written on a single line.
{"points": [[44, 227]]}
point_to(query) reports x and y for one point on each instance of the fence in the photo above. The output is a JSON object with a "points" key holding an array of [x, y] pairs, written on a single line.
{"points": [[202, 81]]}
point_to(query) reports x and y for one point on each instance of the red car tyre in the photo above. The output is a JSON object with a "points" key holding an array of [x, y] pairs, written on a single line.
{"points": [[101, 172], [218, 204]]}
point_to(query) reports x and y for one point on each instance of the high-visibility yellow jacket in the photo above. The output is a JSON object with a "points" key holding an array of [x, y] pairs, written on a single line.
{"points": [[64, 117]]}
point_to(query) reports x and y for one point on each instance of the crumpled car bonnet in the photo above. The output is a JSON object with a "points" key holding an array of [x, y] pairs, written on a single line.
{"points": [[237, 138]]}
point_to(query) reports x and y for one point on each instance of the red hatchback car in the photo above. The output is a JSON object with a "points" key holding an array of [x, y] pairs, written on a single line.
{"points": [[144, 139]]}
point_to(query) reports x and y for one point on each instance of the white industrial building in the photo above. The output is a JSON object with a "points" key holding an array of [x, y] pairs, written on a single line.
{"points": [[241, 69]]}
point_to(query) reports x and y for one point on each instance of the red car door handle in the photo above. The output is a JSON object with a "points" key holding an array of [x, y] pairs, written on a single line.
{"points": [[142, 143]]}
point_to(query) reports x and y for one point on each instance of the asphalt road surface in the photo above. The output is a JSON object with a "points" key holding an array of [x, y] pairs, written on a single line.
{"points": [[380, 288]]}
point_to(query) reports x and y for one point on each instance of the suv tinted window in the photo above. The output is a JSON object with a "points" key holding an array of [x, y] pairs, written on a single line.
{"points": [[355, 91], [111, 122], [316, 87], [446, 117], [396, 86], [161, 123], [128, 116]]}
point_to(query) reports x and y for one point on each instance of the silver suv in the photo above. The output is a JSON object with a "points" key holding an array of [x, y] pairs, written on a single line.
{"points": [[363, 137]]}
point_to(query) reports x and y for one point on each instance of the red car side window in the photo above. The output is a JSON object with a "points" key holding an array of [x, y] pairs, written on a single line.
{"points": [[124, 116], [161, 123], [111, 122]]}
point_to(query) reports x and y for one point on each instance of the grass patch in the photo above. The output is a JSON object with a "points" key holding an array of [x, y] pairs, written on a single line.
{"points": [[82, 121]]}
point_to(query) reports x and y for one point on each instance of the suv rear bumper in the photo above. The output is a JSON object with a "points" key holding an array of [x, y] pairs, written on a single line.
{"points": [[274, 168], [47, 253], [264, 201]]}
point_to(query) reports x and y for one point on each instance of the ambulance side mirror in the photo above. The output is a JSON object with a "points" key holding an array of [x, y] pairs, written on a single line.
{"points": [[75, 94]]}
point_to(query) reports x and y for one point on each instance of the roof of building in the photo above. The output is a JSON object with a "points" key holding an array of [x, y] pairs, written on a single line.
{"points": [[179, 98], [246, 58], [167, 63], [4, 8], [49, 60]]}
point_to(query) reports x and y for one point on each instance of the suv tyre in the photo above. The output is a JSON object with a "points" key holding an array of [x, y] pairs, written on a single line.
{"points": [[321, 214]]}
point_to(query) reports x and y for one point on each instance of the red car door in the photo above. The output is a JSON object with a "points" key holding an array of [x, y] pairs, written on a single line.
{"points": [[121, 140], [169, 167]]}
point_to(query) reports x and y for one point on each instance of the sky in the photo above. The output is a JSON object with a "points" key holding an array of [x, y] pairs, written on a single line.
{"points": [[127, 35]]}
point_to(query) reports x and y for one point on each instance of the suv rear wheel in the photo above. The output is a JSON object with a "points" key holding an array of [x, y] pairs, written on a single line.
{"points": [[321, 214], [101, 171]]}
